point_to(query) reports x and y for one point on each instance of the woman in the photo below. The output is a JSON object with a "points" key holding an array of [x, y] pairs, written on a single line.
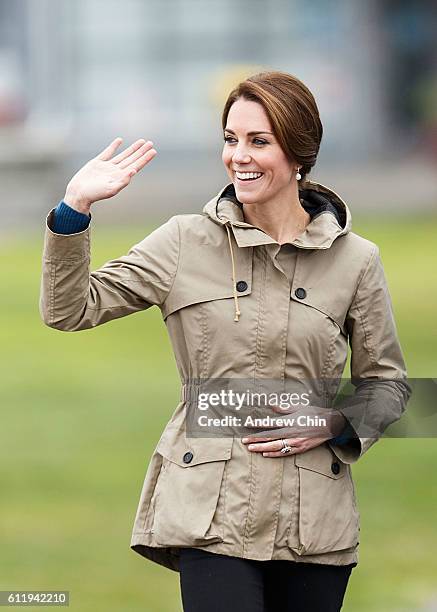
{"points": [[267, 285]]}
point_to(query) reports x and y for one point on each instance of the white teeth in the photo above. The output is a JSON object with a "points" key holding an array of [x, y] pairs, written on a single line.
{"points": [[248, 175]]}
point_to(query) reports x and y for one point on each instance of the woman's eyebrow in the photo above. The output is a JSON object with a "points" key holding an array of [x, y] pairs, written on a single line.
{"points": [[249, 133]]}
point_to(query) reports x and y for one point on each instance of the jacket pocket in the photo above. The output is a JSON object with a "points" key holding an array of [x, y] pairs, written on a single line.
{"points": [[186, 505], [319, 338], [335, 311], [328, 515]]}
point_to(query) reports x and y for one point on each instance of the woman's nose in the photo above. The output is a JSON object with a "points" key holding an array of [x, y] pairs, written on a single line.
{"points": [[241, 156]]}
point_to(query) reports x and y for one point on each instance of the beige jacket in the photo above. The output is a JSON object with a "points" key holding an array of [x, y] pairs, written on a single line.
{"points": [[232, 313]]}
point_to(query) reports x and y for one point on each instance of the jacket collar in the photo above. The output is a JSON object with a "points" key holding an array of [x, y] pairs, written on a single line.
{"points": [[330, 217]]}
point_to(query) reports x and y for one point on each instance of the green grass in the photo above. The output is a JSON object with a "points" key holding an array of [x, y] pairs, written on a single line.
{"points": [[81, 414]]}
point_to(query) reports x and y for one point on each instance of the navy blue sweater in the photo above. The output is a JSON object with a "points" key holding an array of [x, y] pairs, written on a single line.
{"points": [[69, 221]]}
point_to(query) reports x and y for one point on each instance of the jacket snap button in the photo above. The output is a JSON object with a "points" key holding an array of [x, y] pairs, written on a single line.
{"points": [[300, 293], [335, 468], [188, 457], [241, 286]]}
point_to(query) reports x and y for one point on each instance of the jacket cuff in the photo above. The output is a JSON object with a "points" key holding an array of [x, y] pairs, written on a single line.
{"points": [[347, 445], [65, 246], [349, 452], [347, 434]]}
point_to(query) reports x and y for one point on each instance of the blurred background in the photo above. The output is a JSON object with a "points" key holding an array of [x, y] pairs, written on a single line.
{"points": [[81, 413], [74, 75]]}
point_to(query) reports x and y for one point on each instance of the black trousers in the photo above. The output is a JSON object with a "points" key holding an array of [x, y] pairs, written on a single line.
{"points": [[219, 583]]}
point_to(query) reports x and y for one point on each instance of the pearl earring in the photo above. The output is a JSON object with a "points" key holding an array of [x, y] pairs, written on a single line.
{"points": [[298, 175]]}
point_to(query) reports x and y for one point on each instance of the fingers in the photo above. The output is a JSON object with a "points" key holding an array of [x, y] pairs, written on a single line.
{"points": [[275, 434], [268, 446], [273, 449], [110, 150], [127, 152], [142, 161], [135, 155], [255, 439], [287, 410], [298, 445]]}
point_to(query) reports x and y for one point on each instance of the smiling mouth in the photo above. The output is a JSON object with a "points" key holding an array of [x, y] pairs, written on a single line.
{"points": [[248, 177]]}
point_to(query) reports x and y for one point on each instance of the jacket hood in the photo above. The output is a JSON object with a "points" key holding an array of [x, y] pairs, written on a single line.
{"points": [[330, 217]]}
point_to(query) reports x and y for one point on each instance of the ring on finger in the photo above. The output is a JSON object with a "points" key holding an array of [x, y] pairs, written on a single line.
{"points": [[286, 448]]}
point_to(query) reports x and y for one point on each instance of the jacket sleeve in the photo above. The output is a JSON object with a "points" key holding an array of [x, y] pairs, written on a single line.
{"points": [[378, 371], [73, 299]]}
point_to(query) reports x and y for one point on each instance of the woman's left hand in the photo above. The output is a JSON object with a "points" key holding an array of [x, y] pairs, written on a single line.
{"points": [[317, 425]]}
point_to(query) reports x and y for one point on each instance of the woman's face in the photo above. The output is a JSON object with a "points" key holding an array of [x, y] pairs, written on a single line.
{"points": [[251, 147]]}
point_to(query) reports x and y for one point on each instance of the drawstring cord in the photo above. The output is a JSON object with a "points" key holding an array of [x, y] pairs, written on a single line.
{"points": [[237, 310]]}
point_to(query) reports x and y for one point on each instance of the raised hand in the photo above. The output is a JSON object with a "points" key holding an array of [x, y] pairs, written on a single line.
{"points": [[104, 175]]}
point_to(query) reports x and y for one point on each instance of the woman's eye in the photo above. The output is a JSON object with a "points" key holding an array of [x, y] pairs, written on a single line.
{"points": [[257, 141]]}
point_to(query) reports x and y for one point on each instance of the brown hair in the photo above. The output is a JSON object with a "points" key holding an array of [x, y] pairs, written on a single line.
{"points": [[292, 111]]}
